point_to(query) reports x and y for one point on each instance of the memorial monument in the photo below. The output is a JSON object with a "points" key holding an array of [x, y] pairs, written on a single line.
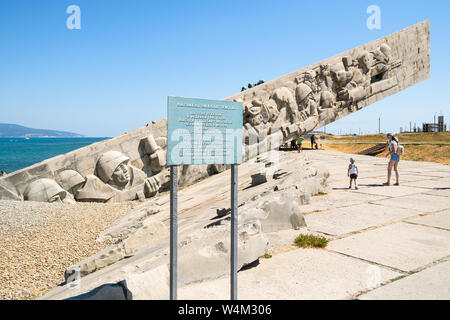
{"points": [[133, 165]]}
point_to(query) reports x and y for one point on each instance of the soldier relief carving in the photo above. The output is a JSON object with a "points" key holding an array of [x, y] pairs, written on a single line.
{"points": [[114, 180], [305, 102], [320, 95]]}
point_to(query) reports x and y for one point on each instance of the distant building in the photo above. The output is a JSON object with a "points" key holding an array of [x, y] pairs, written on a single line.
{"points": [[435, 127]]}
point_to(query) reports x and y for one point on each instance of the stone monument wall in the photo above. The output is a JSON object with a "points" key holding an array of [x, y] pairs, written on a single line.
{"points": [[132, 166], [322, 93]]}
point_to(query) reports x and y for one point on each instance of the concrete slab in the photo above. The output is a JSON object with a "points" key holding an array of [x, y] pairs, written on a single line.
{"points": [[380, 179], [393, 191], [431, 184], [371, 182], [439, 220], [402, 245], [337, 199], [358, 217], [411, 177], [296, 274], [430, 284], [441, 172], [423, 172], [440, 192], [423, 202]]}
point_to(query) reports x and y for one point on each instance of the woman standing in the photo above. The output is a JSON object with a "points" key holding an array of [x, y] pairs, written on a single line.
{"points": [[395, 158]]}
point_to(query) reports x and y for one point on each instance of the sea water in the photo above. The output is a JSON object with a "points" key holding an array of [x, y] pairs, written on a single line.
{"points": [[18, 153]]}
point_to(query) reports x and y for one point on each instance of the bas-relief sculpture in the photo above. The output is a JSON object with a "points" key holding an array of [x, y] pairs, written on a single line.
{"points": [[47, 190], [114, 180], [286, 107], [320, 95]]}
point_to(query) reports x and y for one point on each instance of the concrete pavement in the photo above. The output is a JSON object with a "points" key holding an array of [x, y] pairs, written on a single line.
{"points": [[385, 242]]}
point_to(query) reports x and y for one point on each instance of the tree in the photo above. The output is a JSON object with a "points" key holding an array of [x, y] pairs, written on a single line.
{"points": [[249, 86]]}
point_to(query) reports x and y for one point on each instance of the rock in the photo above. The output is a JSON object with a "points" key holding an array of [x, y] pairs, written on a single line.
{"points": [[108, 291], [145, 236], [298, 178], [206, 254], [150, 285], [259, 178], [278, 174], [129, 223], [216, 168], [279, 211], [261, 159], [190, 174], [269, 164], [100, 260], [223, 212]]}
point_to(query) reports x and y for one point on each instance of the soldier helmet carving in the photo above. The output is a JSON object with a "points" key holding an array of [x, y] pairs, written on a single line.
{"points": [[108, 162], [386, 50], [69, 179], [302, 91], [44, 190]]}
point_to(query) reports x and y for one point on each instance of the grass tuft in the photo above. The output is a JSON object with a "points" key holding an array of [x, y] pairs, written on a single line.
{"points": [[310, 241], [267, 256]]}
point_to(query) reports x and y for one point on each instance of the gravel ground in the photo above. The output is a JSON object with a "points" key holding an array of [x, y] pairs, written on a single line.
{"points": [[38, 241]]}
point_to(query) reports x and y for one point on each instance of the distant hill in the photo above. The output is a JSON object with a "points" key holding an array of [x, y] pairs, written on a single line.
{"points": [[8, 130]]}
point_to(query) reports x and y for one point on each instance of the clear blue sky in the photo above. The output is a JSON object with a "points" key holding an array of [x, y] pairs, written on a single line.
{"points": [[115, 73]]}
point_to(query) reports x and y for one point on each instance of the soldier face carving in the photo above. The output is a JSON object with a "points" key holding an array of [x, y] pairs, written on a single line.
{"points": [[121, 175]]}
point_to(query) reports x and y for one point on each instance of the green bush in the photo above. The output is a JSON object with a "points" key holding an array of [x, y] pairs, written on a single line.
{"points": [[252, 85], [311, 241]]}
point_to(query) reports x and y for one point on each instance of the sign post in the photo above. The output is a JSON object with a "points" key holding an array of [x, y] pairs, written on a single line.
{"points": [[201, 131], [234, 226], [173, 231]]}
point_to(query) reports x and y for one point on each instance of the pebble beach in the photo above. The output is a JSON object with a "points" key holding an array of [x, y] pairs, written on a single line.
{"points": [[38, 241]]}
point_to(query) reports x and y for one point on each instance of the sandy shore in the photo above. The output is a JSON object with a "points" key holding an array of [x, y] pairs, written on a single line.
{"points": [[38, 241]]}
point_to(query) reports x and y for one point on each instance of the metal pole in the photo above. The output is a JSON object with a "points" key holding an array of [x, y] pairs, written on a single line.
{"points": [[234, 226], [173, 231]]}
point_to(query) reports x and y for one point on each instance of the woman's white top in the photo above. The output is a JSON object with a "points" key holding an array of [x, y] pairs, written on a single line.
{"points": [[393, 146]]}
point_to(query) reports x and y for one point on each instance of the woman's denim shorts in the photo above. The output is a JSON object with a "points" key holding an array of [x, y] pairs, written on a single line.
{"points": [[395, 157]]}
